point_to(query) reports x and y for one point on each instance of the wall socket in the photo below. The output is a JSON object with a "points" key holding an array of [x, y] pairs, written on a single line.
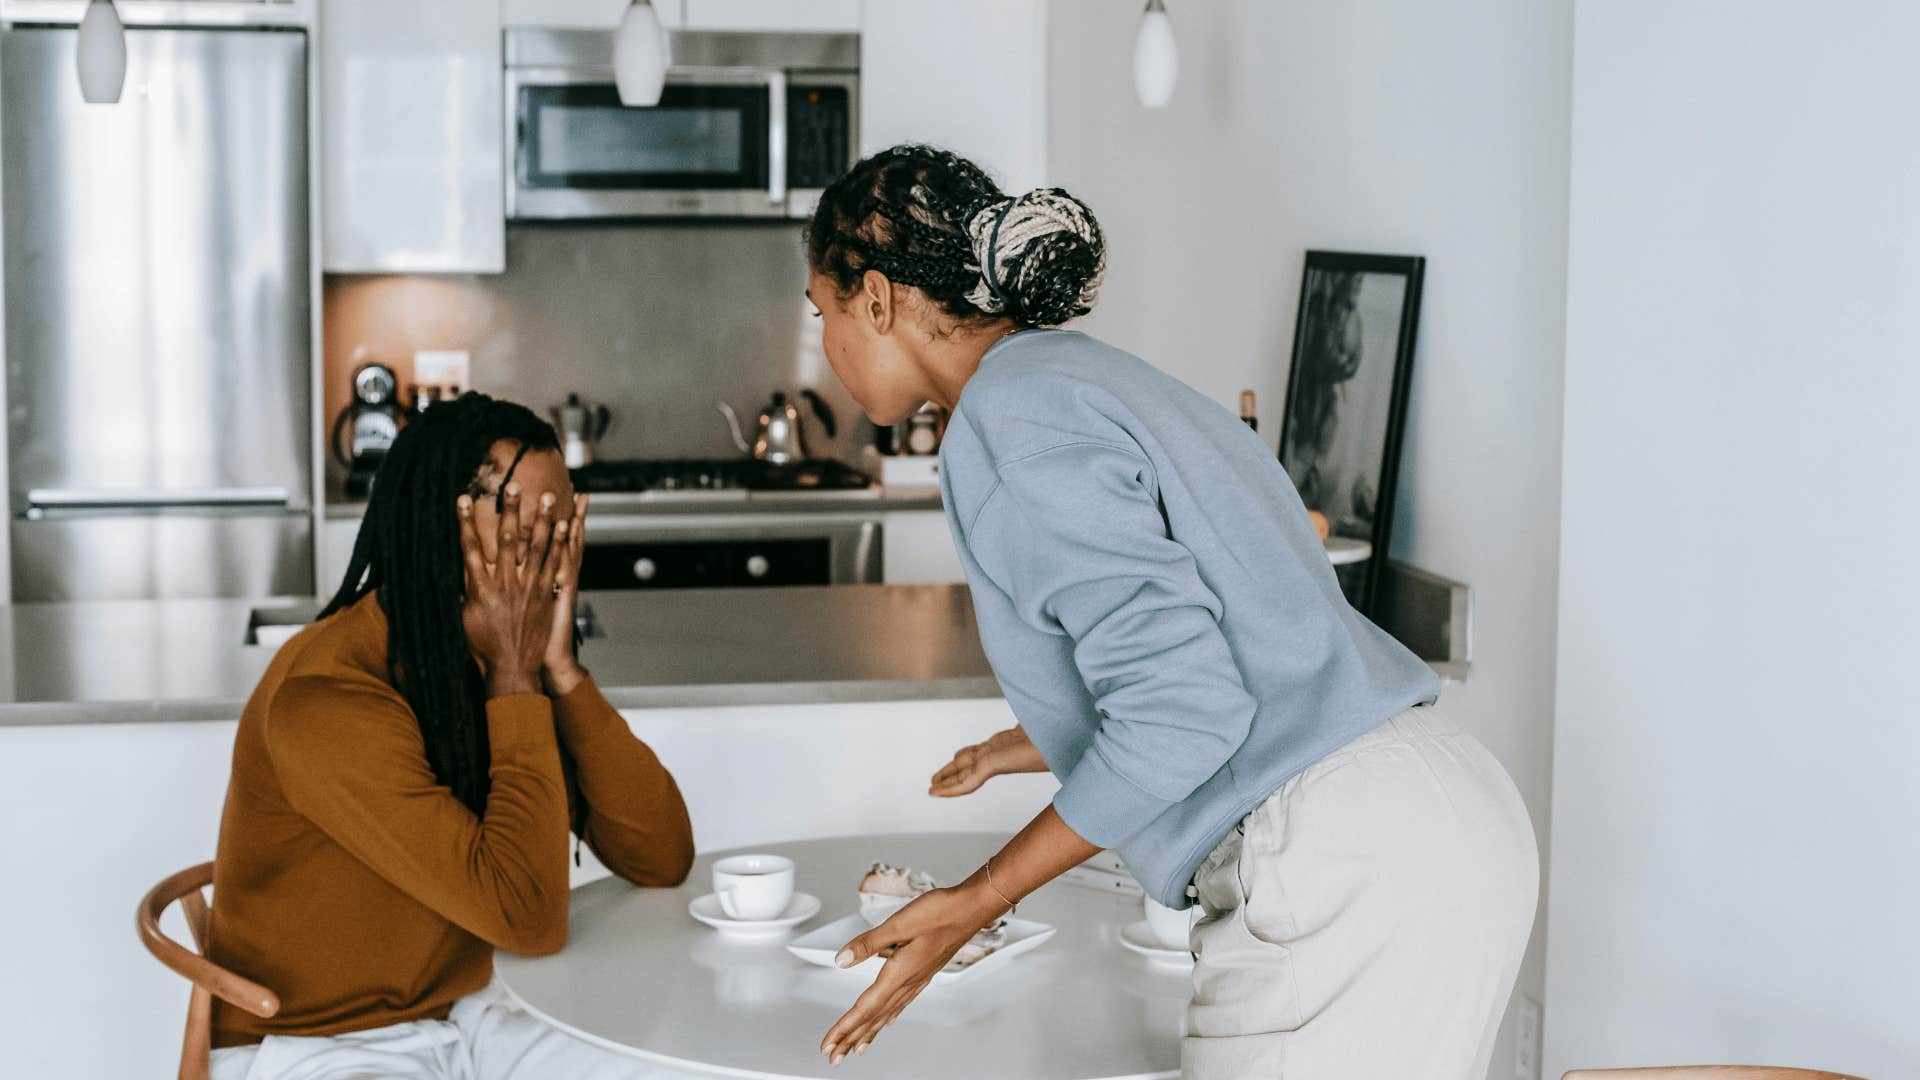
{"points": [[1526, 1041], [442, 367]]}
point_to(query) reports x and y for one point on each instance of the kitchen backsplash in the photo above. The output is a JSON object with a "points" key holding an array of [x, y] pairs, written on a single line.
{"points": [[654, 321]]}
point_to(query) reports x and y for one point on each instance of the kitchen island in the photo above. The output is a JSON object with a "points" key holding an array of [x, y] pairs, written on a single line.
{"points": [[188, 660]]}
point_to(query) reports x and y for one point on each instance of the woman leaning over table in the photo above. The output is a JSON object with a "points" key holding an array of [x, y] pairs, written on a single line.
{"points": [[1161, 614], [406, 773]]}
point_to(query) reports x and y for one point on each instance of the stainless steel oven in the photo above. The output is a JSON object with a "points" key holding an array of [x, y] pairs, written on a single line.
{"points": [[729, 550], [748, 126]]}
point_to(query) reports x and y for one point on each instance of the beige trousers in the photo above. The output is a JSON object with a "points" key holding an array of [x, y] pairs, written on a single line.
{"points": [[1366, 922]]}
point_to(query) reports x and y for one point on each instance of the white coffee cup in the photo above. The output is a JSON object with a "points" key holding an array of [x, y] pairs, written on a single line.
{"points": [[752, 887], [1172, 929]]}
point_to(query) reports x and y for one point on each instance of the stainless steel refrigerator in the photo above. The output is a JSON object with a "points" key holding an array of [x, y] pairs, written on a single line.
{"points": [[158, 317]]}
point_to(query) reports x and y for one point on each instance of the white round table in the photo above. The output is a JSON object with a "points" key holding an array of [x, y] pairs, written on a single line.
{"points": [[639, 975]]}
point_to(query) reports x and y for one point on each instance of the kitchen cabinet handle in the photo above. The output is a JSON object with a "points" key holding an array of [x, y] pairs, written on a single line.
{"points": [[121, 499], [777, 137]]}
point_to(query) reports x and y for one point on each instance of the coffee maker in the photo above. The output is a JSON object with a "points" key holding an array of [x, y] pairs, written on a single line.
{"points": [[370, 423]]}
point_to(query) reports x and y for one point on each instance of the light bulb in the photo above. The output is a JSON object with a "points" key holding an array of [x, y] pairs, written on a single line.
{"points": [[640, 56], [102, 54], [1156, 62]]}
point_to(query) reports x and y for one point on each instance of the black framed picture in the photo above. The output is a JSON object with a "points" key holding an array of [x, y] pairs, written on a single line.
{"points": [[1347, 398]]}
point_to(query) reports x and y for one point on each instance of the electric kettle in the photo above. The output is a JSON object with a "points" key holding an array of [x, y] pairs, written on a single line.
{"points": [[781, 436]]}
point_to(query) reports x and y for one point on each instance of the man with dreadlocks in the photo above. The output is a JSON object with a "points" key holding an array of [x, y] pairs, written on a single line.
{"points": [[406, 773]]}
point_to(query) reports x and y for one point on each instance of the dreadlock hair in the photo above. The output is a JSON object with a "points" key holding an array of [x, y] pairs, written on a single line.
{"points": [[931, 219], [408, 553]]}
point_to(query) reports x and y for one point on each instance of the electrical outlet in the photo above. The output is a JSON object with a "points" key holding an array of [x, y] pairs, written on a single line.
{"points": [[445, 367], [1526, 1041]]}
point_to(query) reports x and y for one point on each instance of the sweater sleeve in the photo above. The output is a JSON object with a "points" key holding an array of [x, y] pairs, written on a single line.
{"points": [[1075, 536], [634, 818], [350, 758]]}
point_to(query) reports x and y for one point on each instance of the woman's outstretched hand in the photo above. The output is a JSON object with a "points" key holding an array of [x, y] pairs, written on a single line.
{"points": [[508, 613], [921, 937], [917, 941], [1008, 751]]}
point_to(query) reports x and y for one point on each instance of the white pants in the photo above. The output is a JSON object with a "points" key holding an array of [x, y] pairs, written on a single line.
{"points": [[1366, 922], [486, 1036]]}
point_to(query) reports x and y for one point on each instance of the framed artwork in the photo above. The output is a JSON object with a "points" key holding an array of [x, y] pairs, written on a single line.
{"points": [[1347, 398]]}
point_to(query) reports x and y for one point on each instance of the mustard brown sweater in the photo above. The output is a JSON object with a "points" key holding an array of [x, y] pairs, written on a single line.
{"points": [[354, 885]]}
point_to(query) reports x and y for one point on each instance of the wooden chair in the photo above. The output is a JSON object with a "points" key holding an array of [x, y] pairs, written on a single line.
{"points": [[1705, 1073], [209, 979]]}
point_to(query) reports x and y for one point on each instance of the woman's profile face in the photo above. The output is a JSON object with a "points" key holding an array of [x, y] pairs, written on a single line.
{"points": [[539, 472], [869, 363]]}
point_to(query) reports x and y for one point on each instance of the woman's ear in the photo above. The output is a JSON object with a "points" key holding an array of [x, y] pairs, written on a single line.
{"points": [[874, 303]]}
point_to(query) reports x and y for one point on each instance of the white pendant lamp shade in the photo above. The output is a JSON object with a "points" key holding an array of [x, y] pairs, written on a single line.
{"points": [[102, 54], [1156, 63], [640, 56]]}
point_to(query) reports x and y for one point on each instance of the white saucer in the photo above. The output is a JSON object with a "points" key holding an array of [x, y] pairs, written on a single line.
{"points": [[1138, 938], [707, 909]]}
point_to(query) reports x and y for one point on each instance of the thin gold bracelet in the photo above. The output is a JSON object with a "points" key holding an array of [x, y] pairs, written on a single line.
{"points": [[1011, 906]]}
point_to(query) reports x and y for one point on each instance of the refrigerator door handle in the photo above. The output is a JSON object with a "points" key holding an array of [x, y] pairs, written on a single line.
{"points": [[123, 499]]}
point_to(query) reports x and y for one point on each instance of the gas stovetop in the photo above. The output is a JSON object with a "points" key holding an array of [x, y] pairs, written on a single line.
{"points": [[719, 475]]}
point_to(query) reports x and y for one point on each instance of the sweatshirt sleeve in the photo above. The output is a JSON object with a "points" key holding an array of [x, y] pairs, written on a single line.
{"points": [[634, 818], [350, 758], [1075, 536]]}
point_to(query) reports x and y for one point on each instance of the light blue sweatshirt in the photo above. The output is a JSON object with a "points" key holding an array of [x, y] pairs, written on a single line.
{"points": [[1154, 600]]}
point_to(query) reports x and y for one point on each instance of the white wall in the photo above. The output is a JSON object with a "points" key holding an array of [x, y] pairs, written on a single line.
{"points": [[1396, 126], [967, 76], [1737, 759]]}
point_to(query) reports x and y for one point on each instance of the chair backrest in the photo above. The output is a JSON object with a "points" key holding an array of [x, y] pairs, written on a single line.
{"points": [[209, 979], [1705, 1073]]}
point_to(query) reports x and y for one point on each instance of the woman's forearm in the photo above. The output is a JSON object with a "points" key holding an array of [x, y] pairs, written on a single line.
{"points": [[1045, 849]]}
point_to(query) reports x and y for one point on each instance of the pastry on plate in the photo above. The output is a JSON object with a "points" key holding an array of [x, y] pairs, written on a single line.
{"points": [[886, 889], [981, 946]]}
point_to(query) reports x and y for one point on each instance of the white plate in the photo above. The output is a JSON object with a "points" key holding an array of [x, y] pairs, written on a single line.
{"points": [[822, 945], [1139, 938], [707, 909]]}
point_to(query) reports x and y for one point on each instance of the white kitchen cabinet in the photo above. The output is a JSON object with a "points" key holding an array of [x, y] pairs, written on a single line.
{"points": [[412, 167], [916, 548], [841, 16], [970, 77], [581, 14]]}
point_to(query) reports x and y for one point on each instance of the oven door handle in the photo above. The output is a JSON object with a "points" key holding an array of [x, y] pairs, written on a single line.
{"points": [[777, 138]]}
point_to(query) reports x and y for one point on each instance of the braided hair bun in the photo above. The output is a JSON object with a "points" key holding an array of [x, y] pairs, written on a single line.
{"points": [[931, 219], [1042, 258]]}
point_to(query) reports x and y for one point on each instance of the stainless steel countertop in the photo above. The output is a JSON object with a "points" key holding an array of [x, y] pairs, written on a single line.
{"points": [[184, 660]]}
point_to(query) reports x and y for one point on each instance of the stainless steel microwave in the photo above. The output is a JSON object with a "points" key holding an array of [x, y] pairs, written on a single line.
{"points": [[749, 126]]}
